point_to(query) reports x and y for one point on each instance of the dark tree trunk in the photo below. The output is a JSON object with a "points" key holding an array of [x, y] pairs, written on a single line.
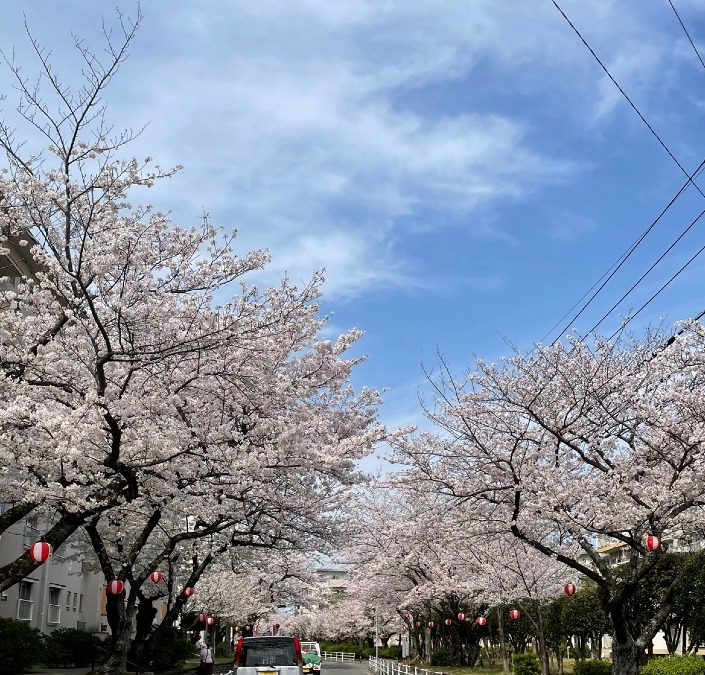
{"points": [[141, 649], [120, 615], [502, 642]]}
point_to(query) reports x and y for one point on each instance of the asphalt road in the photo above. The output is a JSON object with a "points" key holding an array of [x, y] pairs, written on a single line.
{"points": [[344, 667]]}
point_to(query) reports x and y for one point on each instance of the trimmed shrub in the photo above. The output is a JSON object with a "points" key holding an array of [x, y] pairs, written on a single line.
{"points": [[71, 648], [442, 657], [390, 653], [675, 665], [20, 646], [526, 664], [592, 667]]}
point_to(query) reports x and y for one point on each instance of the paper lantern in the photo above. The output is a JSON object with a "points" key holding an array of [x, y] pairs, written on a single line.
{"points": [[210, 620], [156, 577], [514, 614], [653, 542], [447, 622], [201, 618], [248, 627], [237, 629], [461, 616], [569, 588], [481, 621], [188, 591], [40, 551], [431, 624], [115, 587], [418, 624]]}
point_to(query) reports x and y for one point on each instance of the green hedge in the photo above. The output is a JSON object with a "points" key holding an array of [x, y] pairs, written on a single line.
{"points": [[675, 665], [20, 646], [526, 664], [442, 657], [71, 648], [592, 667]]}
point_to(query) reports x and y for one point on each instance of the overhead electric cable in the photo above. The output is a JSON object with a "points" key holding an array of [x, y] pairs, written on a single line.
{"points": [[655, 295], [621, 260], [685, 30], [643, 276], [624, 94]]}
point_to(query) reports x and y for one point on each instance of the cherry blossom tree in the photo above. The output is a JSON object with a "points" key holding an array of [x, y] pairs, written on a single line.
{"points": [[151, 396], [571, 446]]}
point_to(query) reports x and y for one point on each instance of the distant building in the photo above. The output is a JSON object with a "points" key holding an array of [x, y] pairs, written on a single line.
{"points": [[333, 580]]}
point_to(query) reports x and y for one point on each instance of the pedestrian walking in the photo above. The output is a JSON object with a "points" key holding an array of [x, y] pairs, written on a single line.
{"points": [[206, 660]]}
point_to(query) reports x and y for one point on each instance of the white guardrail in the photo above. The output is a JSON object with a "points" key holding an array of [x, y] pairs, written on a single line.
{"points": [[338, 656], [387, 667]]}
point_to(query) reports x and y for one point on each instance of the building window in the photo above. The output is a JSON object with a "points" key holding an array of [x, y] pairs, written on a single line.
{"points": [[80, 602], [31, 532], [68, 601], [75, 601], [24, 604], [54, 611]]}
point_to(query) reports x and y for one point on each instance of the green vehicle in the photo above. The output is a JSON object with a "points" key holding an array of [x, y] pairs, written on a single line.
{"points": [[311, 652]]}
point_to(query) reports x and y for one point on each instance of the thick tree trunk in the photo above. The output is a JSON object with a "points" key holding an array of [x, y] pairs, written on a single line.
{"points": [[625, 652], [120, 615], [116, 663], [625, 657], [140, 651]]}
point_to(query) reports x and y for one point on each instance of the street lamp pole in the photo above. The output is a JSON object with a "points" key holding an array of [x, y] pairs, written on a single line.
{"points": [[376, 636]]}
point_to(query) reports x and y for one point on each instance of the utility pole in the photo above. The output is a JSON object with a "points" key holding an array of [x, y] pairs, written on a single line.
{"points": [[376, 636]]}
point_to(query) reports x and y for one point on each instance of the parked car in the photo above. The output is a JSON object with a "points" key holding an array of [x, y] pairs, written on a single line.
{"points": [[311, 652], [268, 655]]}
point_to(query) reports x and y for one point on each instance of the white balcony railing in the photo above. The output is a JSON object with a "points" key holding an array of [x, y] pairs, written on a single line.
{"points": [[54, 614], [24, 610]]}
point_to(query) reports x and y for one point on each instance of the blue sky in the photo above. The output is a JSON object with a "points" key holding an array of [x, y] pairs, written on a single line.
{"points": [[464, 170]]}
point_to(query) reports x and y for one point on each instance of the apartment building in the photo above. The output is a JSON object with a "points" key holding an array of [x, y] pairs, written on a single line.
{"points": [[64, 592]]}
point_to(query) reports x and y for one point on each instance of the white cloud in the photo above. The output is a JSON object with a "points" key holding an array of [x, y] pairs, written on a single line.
{"points": [[287, 117]]}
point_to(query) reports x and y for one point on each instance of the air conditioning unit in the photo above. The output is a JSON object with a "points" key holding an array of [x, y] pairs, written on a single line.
{"points": [[103, 627]]}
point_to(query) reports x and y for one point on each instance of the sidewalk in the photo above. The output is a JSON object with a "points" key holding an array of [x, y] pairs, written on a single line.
{"points": [[59, 671]]}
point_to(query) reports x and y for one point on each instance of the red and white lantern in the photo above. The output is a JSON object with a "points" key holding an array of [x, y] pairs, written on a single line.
{"points": [[40, 551], [481, 621], [248, 627], [417, 624], [210, 621], [514, 614], [431, 624], [237, 629], [653, 542], [188, 591], [461, 616], [201, 618], [115, 587], [156, 577], [569, 588], [448, 622]]}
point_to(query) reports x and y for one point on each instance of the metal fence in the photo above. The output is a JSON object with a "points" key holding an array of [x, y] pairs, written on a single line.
{"points": [[338, 656], [387, 667]]}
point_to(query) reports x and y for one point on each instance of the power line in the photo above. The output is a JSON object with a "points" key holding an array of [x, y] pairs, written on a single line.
{"points": [[624, 94], [643, 276], [685, 30], [609, 274], [690, 181], [653, 297]]}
